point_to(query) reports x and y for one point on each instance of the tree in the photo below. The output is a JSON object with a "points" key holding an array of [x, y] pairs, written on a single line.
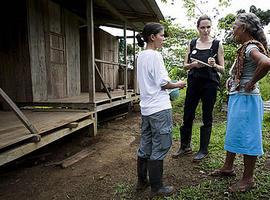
{"points": [[192, 6], [174, 48], [263, 15]]}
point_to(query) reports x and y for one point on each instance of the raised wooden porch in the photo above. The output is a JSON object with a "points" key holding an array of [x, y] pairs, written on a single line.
{"points": [[17, 141]]}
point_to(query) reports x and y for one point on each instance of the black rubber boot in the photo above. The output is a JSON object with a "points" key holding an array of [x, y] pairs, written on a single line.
{"points": [[205, 134], [155, 168], [142, 183], [185, 147]]}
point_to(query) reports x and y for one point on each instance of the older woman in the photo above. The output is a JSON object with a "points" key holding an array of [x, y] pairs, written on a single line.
{"points": [[245, 107]]}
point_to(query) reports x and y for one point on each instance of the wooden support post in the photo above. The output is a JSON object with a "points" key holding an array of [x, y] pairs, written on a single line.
{"points": [[92, 129], [125, 60], [90, 47], [134, 63], [18, 112]]}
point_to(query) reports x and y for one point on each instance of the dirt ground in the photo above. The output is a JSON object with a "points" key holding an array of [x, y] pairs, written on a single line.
{"points": [[108, 170]]}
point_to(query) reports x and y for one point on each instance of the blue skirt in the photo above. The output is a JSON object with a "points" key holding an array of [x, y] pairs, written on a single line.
{"points": [[244, 125]]}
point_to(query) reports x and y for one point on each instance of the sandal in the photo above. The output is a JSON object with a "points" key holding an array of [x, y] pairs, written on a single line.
{"points": [[219, 172], [237, 187]]}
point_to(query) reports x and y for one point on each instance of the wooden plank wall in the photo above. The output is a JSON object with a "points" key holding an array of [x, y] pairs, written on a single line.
{"points": [[108, 50], [37, 48], [72, 53], [54, 50], [57, 65], [15, 72], [98, 47]]}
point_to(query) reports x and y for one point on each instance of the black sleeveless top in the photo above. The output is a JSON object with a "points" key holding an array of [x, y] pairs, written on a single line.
{"points": [[203, 55]]}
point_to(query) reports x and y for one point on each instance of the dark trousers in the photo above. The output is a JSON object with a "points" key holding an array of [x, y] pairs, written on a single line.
{"points": [[204, 90]]}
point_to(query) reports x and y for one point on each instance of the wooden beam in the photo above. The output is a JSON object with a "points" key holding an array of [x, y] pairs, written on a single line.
{"points": [[107, 62], [134, 64], [76, 157], [91, 50], [103, 83], [125, 59], [116, 13], [18, 112]]}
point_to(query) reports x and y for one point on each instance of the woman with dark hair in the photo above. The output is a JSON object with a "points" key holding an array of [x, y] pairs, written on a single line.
{"points": [[204, 60], [245, 106], [156, 128]]}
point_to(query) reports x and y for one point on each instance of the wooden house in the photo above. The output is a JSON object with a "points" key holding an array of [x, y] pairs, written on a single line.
{"points": [[55, 60]]}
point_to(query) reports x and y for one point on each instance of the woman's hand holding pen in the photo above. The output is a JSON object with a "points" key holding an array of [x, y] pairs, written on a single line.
{"points": [[194, 64], [212, 61]]}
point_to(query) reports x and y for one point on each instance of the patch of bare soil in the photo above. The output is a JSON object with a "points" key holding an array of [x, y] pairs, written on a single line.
{"points": [[111, 164]]}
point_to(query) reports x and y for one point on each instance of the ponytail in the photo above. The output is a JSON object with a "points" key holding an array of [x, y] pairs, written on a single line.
{"points": [[140, 40]]}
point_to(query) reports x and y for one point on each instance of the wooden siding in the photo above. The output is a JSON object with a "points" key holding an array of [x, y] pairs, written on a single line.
{"points": [[15, 72], [73, 54], [37, 44], [106, 47], [57, 67], [54, 50]]}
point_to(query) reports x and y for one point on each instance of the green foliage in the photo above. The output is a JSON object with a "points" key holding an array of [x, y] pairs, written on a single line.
{"points": [[130, 50], [265, 87], [190, 6], [226, 22], [174, 48], [122, 191], [195, 5], [229, 56], [217, 188], [263, 15]]}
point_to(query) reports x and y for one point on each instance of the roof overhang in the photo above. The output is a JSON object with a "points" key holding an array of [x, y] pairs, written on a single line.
{"points": [[115, 13]]}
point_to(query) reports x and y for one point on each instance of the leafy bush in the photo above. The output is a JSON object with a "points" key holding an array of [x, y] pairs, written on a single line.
{"points": [[265, 87]]}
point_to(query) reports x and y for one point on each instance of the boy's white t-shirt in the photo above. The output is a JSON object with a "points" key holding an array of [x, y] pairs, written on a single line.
{"points": [[151, 76]]}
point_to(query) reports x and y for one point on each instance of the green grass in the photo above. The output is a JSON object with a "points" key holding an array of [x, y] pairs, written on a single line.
{"points": [[122, 191], [216, 188], [209, 187]]}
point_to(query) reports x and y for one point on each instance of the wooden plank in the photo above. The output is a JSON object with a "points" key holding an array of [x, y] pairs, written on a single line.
{"points": [[57, 68], [44, 121], [31, 138], [37, 34], [112, 104], [72, 125], [76, 157], [125, 59], [135, 84], [72, 53], [18, 113], [22, 150]]}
